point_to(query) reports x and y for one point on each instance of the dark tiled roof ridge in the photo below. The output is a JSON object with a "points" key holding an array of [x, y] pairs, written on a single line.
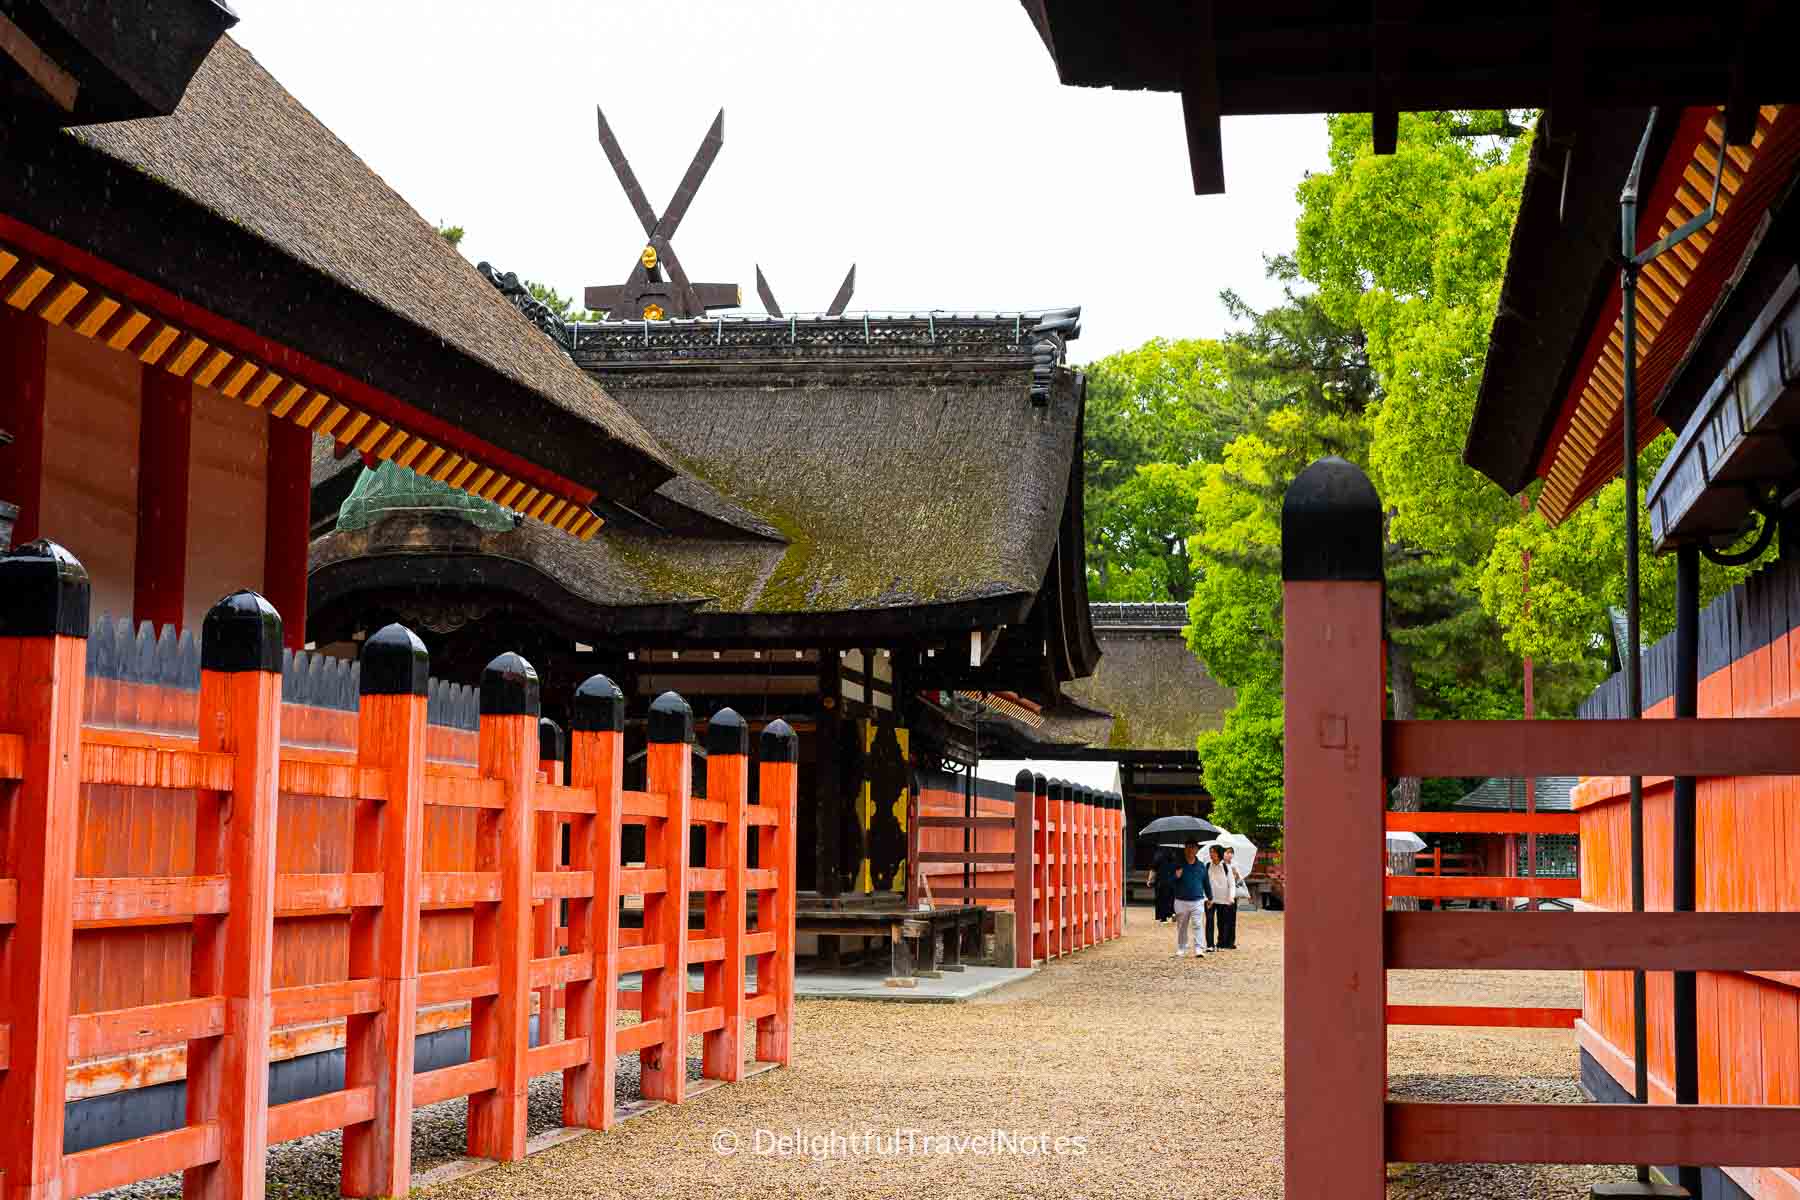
{"points": [[1157, 613]]}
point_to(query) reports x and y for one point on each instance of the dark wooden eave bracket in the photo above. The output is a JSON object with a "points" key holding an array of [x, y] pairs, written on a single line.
{"points": [[61, 87]]}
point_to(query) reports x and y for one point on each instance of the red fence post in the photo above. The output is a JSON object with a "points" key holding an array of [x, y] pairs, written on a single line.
{"points": [[43, 651], [1336, 978], [500, 1025], [1090, 863], [1065, 876], [727, 783], [1024, 801], [240, 715], [546, 840], [389, 839], [778, 786], [596, 760], [1040, 876], [670, 774]]}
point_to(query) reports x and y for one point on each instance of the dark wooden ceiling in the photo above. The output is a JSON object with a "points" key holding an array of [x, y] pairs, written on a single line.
{"points": [[1390, 56]]}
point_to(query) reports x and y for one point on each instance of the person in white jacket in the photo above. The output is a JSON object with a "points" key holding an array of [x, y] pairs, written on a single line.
{"points": [[1221, 907]]}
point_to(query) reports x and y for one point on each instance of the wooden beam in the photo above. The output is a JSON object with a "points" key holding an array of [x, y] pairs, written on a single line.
{"points": [[1200, 101], [1592, 941], [61, 87], [1482, 1016], [1484, 822], [1739, 746], [1482, 886], [1706, 1135]]}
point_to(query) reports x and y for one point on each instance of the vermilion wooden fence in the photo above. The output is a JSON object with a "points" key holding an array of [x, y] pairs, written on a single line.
{"points": [[248, 795], [1340, 941], [1063, 871]]}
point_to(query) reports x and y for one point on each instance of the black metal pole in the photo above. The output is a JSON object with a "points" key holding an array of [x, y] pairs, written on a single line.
{"points": [[1634, 681], [1683, 869]]}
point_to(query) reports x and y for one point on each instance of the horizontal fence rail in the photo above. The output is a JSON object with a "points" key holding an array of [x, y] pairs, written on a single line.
{"points": [[452, 807], [1340, 754], [1061, 871]]}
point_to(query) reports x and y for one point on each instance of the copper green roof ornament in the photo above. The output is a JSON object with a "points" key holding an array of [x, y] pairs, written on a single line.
{"points": [[390, 489]]}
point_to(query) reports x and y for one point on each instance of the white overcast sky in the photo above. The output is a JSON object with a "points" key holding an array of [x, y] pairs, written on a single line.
{"points": [[928, 142]]}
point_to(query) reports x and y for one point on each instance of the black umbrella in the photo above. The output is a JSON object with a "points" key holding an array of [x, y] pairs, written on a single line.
{"points": [[1182, 828]]}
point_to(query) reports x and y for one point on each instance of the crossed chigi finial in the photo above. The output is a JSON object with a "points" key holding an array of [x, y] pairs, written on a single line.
{"points": [[647, 293]]}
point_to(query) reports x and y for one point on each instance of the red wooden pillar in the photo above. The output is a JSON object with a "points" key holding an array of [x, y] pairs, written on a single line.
{"points": [[1336, 978], [596, 760], [1107, 907], [1090, 863], [384, 941], [43, 657], [728, 784], [1024, 802], [500, 1025], [24, 349], [288, 524], [1040, 877], [670, 774], [1065, 843], [1078, 796], [546, 853], [1072, 799], [165, 442], [778, 783], [240, 715]]}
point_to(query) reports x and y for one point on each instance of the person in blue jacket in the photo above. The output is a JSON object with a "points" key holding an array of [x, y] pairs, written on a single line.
{"points": [[1192, 891]]}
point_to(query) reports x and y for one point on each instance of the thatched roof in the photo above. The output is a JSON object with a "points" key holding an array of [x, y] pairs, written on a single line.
{"points": [[1159, 693], [244, 204], [879, 481]]}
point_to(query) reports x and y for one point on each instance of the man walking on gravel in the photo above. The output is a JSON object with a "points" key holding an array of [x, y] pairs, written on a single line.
{"points": [[1221, 907], [1189, 874]]}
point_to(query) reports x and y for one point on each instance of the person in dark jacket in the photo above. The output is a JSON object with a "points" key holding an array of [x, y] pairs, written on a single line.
{"points": [[1162, 879]]}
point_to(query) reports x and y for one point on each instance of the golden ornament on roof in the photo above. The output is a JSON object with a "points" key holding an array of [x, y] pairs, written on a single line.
{"points": [[653, 311], [648, 258]]}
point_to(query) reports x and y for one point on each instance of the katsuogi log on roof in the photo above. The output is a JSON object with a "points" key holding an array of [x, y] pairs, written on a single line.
{"points": [[244, 222]]}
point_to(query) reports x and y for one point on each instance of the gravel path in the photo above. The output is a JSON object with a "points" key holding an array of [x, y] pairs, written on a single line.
{"points": [[1169, 1071]]}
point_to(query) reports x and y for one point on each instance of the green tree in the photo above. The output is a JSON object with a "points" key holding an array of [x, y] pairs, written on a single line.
{"points": [[1153, 415]]}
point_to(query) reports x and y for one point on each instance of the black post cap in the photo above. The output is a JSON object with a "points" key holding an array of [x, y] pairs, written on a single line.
{"points": [[1331, 524], [242, 632], [599, 707], [779, 743], [509, 688], [671, 720], [550, 741], [43, 592], [1024, 782], [394, 663], [1040, 786], [727, 733]]}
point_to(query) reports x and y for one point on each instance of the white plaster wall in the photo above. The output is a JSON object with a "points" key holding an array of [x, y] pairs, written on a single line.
{"points": [[90, 462]]}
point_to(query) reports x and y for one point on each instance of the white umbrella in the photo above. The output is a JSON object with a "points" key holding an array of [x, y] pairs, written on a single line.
{"points": [[1244, 851], [1404, 843]]}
